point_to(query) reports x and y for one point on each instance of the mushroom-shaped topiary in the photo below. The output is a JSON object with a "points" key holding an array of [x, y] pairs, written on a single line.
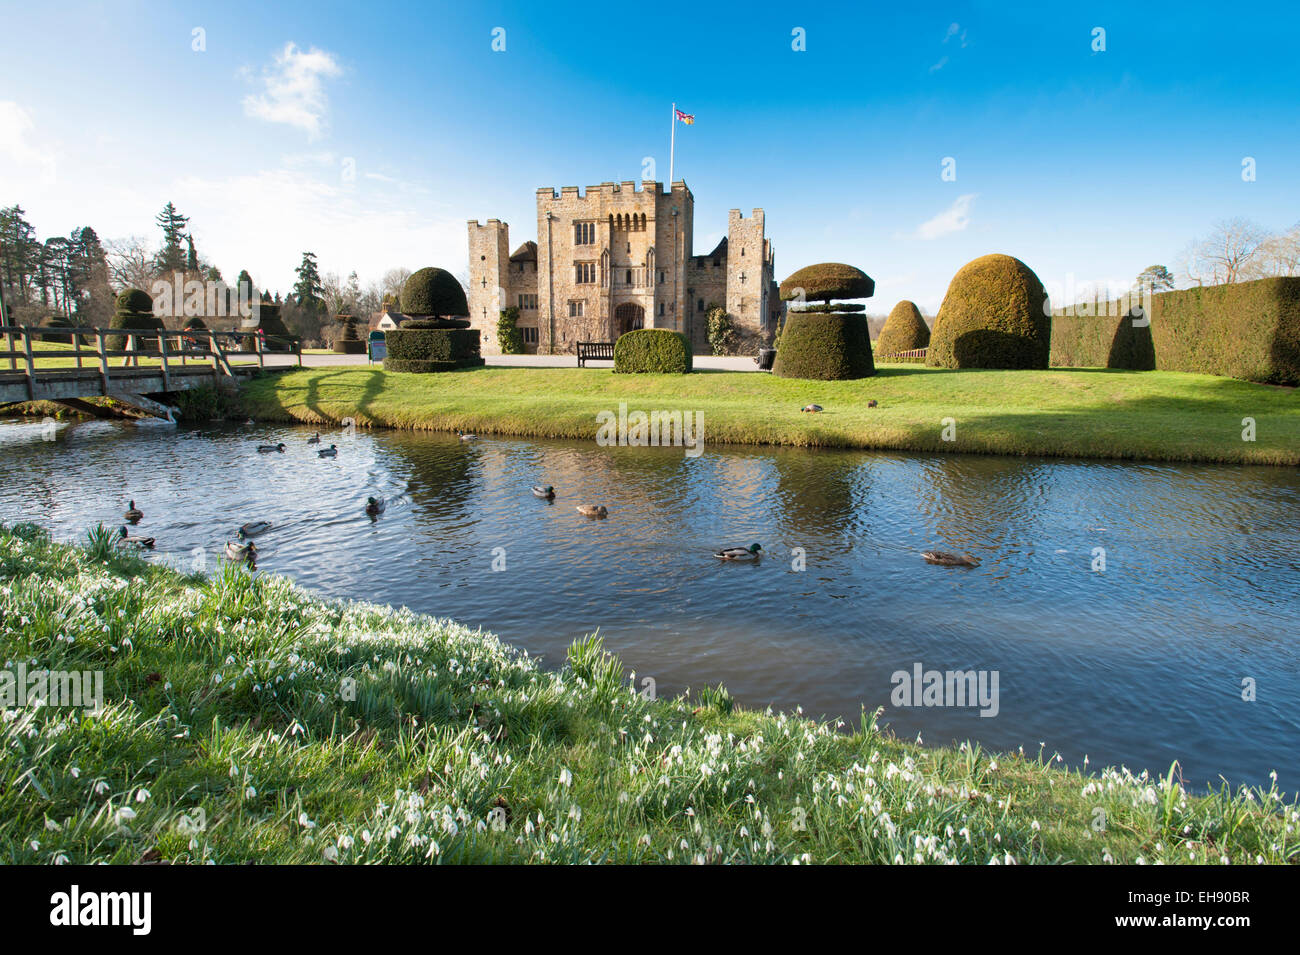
{"points": [[905, 330], [133, 310], [433, 292], [995, 315], [134, 300], [826, 281]]}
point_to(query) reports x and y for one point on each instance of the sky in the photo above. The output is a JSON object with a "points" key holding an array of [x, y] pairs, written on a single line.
{"points": [[369, 134]]}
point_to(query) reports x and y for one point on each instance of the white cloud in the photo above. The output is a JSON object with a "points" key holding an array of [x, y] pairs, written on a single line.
{"points": [[953, 219], [943, 61], [294, 91], [16, 125]]}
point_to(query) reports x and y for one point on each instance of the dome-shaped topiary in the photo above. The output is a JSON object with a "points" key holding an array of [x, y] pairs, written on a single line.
{"points": [[134, 300], [829, 347], [826, 281], [56, 322], [995, 315], [652, 350], [433, 291], [905, 330]]}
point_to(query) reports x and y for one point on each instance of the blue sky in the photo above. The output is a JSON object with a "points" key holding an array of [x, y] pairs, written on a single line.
{"points": [[1085, 164]]}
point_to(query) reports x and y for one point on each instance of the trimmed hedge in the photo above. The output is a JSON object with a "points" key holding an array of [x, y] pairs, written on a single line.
{"points": [[1101, 335], [828, 280], [134, 310], [904, 330], [427, 350], [433, 291], [348, 343], [833, 308], [275, 335], [658, 351], [827, 347], [995, 315], [1248, 330], [55, 322]]}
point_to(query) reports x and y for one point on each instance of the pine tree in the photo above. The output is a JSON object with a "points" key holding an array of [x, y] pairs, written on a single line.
{"points": [[20, 254], [307, 290], [170, 257], [191, 258]]}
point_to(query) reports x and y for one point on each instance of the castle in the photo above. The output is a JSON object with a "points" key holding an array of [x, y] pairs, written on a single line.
{"points": [[615, 259]]}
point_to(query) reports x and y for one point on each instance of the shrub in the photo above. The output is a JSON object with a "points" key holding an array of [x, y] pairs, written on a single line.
{"points": [[834, 308], [433, 291], [825, 346], [134, 310], [348, 341], [721, 330], [652, 350], [1101, 335], [275, 336], [1248, 330], [56, 322], [905, 330], [826, 281], [995, 315], [416, 349], [509, 338]]}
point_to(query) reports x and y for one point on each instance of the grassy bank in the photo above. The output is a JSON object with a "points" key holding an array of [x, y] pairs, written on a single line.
{"points": [[1161, 416], [233, 732]]}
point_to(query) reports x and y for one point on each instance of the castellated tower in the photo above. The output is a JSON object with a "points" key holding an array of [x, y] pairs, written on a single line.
{"points": [[750, 266], [489, 257]]}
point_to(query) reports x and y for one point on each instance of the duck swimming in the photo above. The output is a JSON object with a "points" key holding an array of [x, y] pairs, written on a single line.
{"points": [[945, 559], [544, 491], [592, 510], [253, 528], [240, 551], [314, 439], [752, 552], [465, 436], [375, 506], [129, 540], [134, 514], [270, 448], [331, 452]]}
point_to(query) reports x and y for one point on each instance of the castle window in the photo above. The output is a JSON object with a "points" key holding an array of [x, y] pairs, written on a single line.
{"points": [[629, 276], [528, 302], [584, 273], [742, 250], [530, 335], [699, 305], [661, 277], [575, 309], [661, 308], [584, 233]]}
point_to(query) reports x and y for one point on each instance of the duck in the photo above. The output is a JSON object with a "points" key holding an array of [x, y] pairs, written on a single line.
{"points": [[270, 448], [133, 514], [466, 436], [331, 452], [375, 506], [253, 528], [871, 403], [945, 559], [544, 491], [812, 409], [752, 552], [592, 510], [130, 540], [240, 550], [314, 439]]}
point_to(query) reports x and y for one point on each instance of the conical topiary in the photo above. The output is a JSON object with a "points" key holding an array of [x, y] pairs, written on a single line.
{"points": [[904, 330]]}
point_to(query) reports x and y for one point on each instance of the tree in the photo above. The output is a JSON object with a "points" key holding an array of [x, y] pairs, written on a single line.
{"points": [[20, 253], [307, 291], [392, 282], [191, 259], [1227, 255], [1278, 255], [170, 257], [722, 331], [1154, 278], [509, 337], [130, 263]]}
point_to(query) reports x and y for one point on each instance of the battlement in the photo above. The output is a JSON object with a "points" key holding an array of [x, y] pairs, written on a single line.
{"points": [[611, 190], [491, 223]]}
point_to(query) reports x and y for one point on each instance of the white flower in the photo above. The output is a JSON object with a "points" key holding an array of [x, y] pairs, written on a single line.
{"points": [[141, 795], [305, 821], [566, 777]]}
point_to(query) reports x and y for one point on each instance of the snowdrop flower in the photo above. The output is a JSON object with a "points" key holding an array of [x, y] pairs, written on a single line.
{"points": [[566, 777], [141, 795]]}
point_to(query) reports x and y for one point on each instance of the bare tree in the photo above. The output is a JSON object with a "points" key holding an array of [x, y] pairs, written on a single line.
{"points": [[1227, 255], [393, 280], [131, 263], [1278, 255]]}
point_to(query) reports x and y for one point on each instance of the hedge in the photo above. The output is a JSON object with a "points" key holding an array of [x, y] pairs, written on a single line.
{"points": [[134, 310], [826, 347], [53, 323], [833, 308], [1248, 330], [274, 333], [1101, 335], [433, 291], [995, 315], [431, 349], [826, 281], [904, 330], [652, 351]]}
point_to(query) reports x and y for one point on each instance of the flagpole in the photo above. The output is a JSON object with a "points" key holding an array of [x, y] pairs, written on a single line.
{"points": [[672, 148]]}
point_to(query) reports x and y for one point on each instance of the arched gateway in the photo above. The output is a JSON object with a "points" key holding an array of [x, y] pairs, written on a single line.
{"points": [[627, 317]]}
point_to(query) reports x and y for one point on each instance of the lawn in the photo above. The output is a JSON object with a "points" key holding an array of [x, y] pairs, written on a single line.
{"points": [[247, 720], [1095, 413]]}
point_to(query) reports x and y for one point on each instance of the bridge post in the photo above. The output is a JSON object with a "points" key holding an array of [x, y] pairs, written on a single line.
{"points": [[162, 351], [31, 364], [76, 346], [102, 347], [257, 347], [212, 348], [9, 347]]}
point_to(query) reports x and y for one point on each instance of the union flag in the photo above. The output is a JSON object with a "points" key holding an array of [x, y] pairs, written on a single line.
{"points": [[687, 118]]}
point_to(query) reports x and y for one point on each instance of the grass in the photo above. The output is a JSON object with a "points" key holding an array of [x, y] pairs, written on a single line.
{"points": [[247, 720], [1094, 413]]}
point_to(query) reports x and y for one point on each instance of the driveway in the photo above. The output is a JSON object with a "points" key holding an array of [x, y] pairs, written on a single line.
{"points": [[735, 363]]}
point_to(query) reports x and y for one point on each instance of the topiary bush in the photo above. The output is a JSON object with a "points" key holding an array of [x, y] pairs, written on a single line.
{"points": [[56, 322], [905, 330], [417, 348], [826, 346], [275, 335], [432, 291], [1101, 335], [348, 341], [826, 281], [658, 351], [995, 315], [133, 309]]}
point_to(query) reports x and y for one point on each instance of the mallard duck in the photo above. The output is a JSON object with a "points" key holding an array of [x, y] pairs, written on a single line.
{"points": [[752, 552], [129, 540], [592, 510], [253, 528], [812, 409], [945, 559], [240, 551], [466, 436], [871, 403], [133, 514], [331, 452], [270, 448], [314, 439], [544, 491], [375, 506]]}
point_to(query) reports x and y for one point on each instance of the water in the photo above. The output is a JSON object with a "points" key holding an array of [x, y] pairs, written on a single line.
{"points": [[1139, 665]]}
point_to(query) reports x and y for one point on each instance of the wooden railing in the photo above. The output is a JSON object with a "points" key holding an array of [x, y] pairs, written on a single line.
{"points": [[170, 351], [915, 355]]}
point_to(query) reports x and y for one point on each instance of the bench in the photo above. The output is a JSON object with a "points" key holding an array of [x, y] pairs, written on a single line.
{"points": [[595, 351]]}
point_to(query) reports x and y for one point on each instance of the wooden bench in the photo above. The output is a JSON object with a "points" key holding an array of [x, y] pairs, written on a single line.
{"points": [[595, 351]]}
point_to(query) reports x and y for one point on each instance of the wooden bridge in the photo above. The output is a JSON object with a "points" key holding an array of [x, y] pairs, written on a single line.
{"points": [[69, 365]]}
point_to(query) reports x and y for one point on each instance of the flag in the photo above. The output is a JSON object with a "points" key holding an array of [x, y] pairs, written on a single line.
{"points": [[687, 118]]}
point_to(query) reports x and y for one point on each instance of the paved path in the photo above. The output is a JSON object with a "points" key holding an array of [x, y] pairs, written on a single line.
{"points": [[740, 363]]}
